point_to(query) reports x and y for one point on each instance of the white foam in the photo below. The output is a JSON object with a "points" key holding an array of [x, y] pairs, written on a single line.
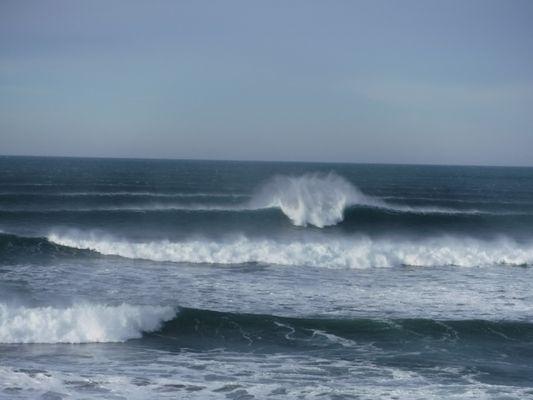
{"points": [[242, 375], [355, 252], [81, 323]]}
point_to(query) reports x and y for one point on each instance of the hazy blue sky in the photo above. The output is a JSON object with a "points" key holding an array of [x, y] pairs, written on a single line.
{"points": [[357, 81]]}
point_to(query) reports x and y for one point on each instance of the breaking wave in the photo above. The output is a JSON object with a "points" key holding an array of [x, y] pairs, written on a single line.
{"points": [[321, 200], [91, 323], [356, 252], [313, 199], [82, 323]]}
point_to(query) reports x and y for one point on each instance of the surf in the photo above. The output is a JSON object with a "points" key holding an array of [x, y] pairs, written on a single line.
{"points": [[311, 199], [79, 323], [313, 251]]}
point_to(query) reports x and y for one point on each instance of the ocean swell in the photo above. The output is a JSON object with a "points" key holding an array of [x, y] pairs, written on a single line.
{"points": [[81, 323], [314, 199], [339, 332]]}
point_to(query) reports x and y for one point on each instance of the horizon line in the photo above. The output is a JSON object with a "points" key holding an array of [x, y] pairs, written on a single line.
{"points": [[264, 161]]}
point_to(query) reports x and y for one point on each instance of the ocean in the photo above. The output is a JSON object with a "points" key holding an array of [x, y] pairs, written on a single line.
{"points": [[167, 279]]}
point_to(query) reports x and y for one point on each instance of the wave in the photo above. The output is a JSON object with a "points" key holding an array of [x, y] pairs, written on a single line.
{"points": [[201, 324], [81, 323], [133, 208], [14, 249], [454, 199], [355, 252], [314, 199], [126, 194], [322, 199], [96, 323], [353, 214]]}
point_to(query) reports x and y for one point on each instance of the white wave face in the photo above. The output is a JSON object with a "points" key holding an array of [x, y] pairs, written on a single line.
{"points": [[311, 199], [82, 323], [357, 252]]}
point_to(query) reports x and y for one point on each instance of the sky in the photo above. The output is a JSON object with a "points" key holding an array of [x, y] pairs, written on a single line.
{"points": [[431, 82]]}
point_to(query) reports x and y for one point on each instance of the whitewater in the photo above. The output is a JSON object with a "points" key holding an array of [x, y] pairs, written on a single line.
{"points": [[80, 323], [357, 252]]}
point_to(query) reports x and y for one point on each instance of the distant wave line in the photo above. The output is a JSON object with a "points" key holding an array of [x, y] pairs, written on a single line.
{"points": [[423, 210], [457, 200], [316, 199], [125, 193]]}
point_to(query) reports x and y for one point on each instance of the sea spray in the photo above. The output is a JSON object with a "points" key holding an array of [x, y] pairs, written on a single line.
{"points": [[311, 199], [321, 200]]}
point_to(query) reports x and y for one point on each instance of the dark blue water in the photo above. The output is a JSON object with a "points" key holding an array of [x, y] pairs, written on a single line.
{"points": [[140, 279]]}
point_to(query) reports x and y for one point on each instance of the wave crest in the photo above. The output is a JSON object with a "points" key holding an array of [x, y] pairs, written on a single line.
{"points": [[322, 199], [311, 199], [357, 252], [82, 323]]}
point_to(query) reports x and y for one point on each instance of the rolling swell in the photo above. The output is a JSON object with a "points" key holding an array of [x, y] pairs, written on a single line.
{"points": [[362, 219], [316, 200], [202, 325], [15, 248]]}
